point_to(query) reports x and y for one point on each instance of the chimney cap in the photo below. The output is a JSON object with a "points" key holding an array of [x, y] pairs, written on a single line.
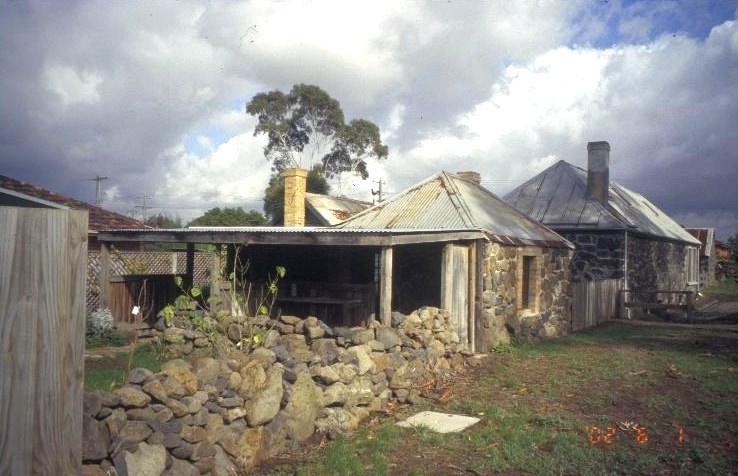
{"points": [[470, 176], [597, 145]]}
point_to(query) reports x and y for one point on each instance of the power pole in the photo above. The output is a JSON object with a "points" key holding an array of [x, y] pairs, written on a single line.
{"points": [[98, 189], [378, 193], [143, 207]]}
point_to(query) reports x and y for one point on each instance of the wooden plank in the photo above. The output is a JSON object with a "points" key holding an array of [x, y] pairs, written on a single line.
{"points": [[42, 313], [104, 275], [455, 287], [385, 287]]}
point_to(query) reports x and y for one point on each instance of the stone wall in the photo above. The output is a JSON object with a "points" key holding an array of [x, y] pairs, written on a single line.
{"points": [[598, 255], [502, 314], [224, 415], [654, 264]]}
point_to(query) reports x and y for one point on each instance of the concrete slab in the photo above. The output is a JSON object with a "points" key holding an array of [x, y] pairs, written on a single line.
{"points": [[439, 422]]}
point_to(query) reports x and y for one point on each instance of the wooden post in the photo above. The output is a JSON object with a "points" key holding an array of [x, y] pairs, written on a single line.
{"points": [[104, 280], [190, 266], [215, 274], [385, 287], [42, 323]]}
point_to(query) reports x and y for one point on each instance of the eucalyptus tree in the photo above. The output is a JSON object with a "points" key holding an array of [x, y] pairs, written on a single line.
{"points": [[306, 127]]}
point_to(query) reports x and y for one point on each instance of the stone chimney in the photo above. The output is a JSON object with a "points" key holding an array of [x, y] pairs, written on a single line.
{"points": [[295, 186], [470, 176], [598, 171]]}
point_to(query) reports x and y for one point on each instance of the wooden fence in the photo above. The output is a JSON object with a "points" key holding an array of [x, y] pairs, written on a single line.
{"points": [[149, 292], [594, 302], [42, 326]]}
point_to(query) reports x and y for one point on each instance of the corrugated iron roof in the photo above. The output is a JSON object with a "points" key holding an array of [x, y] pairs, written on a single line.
{"points": [[557, 197], [333, 210], [446, 201]]}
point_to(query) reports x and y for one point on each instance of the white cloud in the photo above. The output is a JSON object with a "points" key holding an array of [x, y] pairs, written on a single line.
{"points": [[71, 86]]}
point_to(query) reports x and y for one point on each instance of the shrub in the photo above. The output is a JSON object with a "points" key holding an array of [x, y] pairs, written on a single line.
{"points": [[99, 322]]}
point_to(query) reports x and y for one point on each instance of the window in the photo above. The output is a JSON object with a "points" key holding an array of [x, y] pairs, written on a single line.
{"points": [[527, 285], [528, 279], [692, 264]]}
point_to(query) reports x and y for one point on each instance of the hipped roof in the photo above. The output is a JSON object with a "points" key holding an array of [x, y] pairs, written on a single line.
{"points": [[448, 202], [557, 197]]}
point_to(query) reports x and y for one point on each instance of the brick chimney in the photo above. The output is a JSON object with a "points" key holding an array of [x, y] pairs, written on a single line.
{"points": [[598, 170], [295, 186], [470, 176]]}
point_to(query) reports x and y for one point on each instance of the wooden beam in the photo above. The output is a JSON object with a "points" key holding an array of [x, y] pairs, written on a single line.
{"points": [[104, 280], [385, 287]]}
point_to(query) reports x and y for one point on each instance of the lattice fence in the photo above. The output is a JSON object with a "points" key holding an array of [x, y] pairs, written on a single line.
{"points": [[144, 262]]}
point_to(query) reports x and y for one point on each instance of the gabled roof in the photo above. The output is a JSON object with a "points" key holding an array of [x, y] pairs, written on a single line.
{"points": [[328, 210], [448, 202], [706, 237], [557, 197], [13, 191]]}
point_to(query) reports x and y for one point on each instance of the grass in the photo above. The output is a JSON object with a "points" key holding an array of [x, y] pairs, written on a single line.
{"points": [[555, 408], [111, 370]]}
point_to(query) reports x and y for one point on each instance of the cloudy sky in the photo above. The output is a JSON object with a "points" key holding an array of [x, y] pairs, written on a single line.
{"points": [[152, 94]]}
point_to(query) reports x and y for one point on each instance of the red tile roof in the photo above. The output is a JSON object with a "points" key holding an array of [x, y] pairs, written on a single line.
{"points": [[99, 218]]}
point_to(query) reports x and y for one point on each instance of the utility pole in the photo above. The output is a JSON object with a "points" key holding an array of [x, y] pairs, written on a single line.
{"points": [[98, 189], [143, 207], [378, 193]]}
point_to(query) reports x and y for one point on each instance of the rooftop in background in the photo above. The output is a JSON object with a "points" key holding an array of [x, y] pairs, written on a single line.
{"points": [[558, 198], [329, 210], [18, 193]]}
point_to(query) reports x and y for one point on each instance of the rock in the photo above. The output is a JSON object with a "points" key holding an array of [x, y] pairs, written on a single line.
{"points": [[246, 448], [233, 414], [326, 350], [131, 396], [297, 347], [230, 402], [314, 332], [145, 413], [234, 332], [290, 320], [206, 370], [361, 335], [388, 337], [410, 374], [173, 335], [181, 467], [178, 408], [91, 403], [253, 379], [93, 470], [174, 426], [335, 394], [193, 404], [359, 356], [135, 431], [115, 421], [147, 460], [202, 449], [324, 375], [272, 338], [140, 375], [221, 464], [265, 404], [95, 439], [360, 391], [193, 434], [182, 374], [397, 319], [264, 356], [156, 390], [297, 420]]}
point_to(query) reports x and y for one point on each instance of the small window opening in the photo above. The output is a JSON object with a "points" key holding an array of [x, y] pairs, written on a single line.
{"points": [[527, 284]]}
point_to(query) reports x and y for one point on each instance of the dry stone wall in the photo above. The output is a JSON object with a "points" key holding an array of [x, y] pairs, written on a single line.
{"points": [[598, 255], [655, 264], [224, 413]]}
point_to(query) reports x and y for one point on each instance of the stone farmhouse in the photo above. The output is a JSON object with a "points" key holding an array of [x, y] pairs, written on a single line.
{"points": [[627, 250], [446, 242]]}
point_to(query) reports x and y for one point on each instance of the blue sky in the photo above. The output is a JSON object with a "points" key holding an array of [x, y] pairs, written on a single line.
{"points": [[152, 94]]}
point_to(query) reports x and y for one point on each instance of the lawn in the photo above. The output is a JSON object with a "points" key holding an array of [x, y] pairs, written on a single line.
{"points": [[110, 367], [616, 400]]}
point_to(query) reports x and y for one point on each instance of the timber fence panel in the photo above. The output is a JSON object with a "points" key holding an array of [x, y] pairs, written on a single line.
{"points": [[42, 318], [594, 302]]}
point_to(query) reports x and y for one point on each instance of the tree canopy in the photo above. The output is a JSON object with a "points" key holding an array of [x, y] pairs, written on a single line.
{"points": [[234, 216], [161, 220], [274, 193], [306, 127], [733, 245]]}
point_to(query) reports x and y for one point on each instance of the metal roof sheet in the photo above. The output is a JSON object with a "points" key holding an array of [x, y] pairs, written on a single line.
{"points": [[333, 210], [446, 201], [557, 197]]}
